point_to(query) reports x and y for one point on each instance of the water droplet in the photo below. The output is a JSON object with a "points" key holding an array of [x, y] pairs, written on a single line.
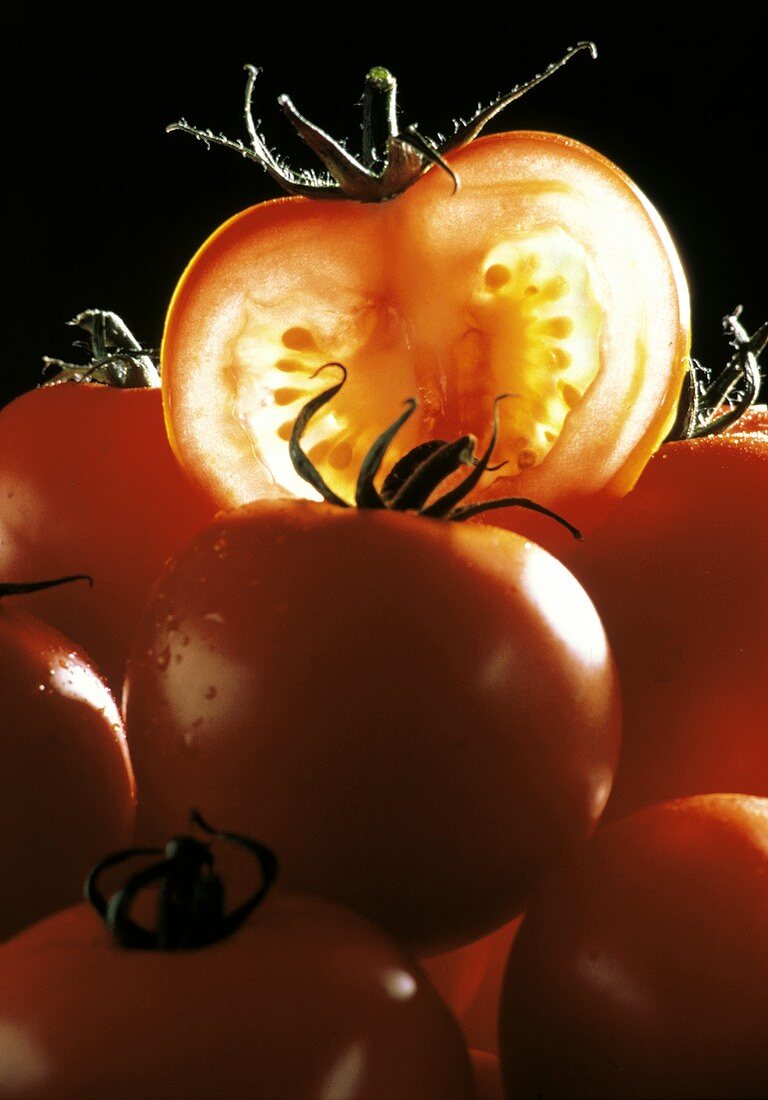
{"points": [[164, 658]]}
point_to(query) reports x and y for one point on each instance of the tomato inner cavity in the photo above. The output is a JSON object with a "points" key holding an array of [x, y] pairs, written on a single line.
{"points": [[526, 322]]}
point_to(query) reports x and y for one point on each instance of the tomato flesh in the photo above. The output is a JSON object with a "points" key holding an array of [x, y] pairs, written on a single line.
{"points": [[547, 276]]}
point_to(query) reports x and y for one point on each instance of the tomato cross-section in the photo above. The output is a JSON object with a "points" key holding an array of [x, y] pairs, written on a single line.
{"points": [[547, 275]]}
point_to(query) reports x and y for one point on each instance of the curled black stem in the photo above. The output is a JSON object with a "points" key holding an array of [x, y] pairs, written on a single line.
{"points": [[190, 912], [21, 588], [414, 479]]}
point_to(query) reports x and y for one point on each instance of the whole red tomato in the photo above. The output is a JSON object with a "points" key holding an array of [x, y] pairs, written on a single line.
{"points": [[418, 715], [677, 573], [89, 485], [546, 274], [641, 966], [305, 1000], [66, 785]]}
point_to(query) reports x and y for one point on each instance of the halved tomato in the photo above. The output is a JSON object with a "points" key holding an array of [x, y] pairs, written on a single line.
{"points": [[546, 275]]}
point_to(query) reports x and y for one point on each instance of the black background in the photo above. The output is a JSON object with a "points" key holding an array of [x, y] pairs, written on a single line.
{"points": [[103, 208]]}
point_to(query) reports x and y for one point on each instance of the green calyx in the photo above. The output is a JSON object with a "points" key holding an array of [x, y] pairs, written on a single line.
{"points": [[708, 405], [393, 157]]}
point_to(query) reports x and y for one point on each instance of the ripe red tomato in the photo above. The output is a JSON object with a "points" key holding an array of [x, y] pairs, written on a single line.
{"points": [[90, 485], [417, 715], [641, 966], [306, 1001], [677, 573], [66, 785], [547, 275]]}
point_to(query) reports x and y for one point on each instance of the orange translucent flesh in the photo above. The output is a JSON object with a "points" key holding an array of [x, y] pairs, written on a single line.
{"points": [[507, 288], [529, 327]]}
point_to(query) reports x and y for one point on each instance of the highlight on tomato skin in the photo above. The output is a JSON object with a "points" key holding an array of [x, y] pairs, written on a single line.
{"points": [[548, 275]]}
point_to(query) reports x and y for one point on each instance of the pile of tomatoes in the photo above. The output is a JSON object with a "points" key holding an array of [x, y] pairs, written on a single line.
{"points": [[343, 623]]}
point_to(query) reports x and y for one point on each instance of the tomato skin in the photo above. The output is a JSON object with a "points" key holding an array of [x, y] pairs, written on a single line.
{"points": [[677, 573], [641, 966], [90, 485], [66, 785], [364, 691], [305, 1001], [296, 262]]}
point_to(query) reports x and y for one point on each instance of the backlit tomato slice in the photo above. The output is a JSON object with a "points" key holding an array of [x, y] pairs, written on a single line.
{"points": [[547, 276]]}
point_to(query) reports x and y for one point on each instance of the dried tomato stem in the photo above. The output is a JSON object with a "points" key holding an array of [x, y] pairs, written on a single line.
{"points": [[706, 406], [116, 356], [392, 159], [191, 910], [417, 475], [379, 115], [9, 588]]}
